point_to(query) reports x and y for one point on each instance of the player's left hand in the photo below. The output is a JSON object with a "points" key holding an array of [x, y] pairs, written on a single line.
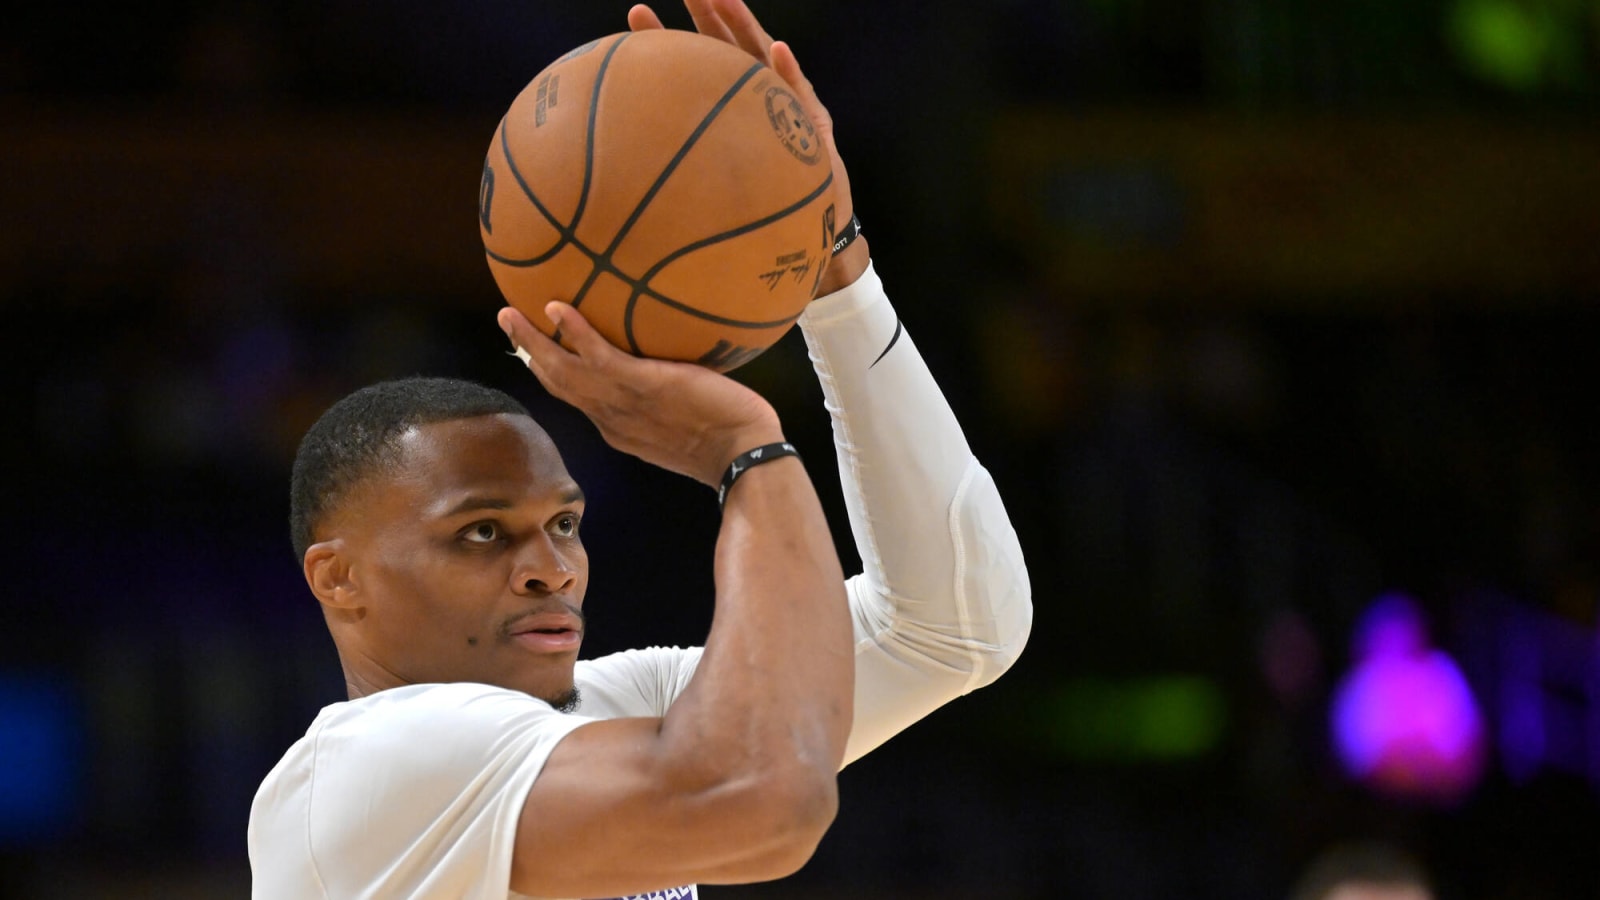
{"points": [[732, 21]]}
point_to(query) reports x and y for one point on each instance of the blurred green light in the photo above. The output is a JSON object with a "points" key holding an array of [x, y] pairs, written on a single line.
{"points": [[1148, 719], [1504, 41]]}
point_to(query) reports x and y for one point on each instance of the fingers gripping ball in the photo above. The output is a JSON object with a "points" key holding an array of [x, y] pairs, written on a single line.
{"points": [[669, 186]]}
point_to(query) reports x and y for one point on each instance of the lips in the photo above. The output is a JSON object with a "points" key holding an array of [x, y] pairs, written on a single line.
{"points": [[548, 632], [549, 641]]}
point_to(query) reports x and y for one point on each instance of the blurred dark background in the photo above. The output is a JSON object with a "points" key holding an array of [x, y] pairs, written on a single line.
{"points": [[1275, 322]]}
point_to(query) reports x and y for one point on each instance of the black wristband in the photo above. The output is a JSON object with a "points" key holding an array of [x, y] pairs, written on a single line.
{"points": [[847, 235], [748, 460]]}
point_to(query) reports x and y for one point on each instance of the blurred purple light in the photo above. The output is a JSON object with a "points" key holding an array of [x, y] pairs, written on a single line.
{"points": [[1522, 721], [1404, 718]]}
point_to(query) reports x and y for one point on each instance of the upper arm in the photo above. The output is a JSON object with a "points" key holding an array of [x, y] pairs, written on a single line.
{"points": [[916, 654], [615, 812]]}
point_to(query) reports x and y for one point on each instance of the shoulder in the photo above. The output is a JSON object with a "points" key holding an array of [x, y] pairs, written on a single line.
{"points": [[464, 701], [634, 682], [423, 779], [425, 734], [432, 724]]}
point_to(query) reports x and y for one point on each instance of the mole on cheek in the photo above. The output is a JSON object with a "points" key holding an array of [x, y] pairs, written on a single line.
{"points": [[472, 642]]}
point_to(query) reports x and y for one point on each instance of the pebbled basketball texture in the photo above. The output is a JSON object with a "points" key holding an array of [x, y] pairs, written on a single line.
{"points": [[669, 186]]}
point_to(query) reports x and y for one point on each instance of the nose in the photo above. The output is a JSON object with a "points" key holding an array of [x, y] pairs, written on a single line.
{"points": [[541, 568]]}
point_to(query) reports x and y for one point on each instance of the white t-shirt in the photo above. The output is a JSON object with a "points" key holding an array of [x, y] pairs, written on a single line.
{"points": [[416, 791]]}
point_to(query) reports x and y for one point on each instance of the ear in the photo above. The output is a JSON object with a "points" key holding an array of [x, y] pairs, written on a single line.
{"points": [[328, 572]]}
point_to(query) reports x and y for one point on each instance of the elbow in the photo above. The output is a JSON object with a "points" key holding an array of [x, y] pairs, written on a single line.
{"points": [[786, 815], [1001, 660], [805, 804], [1009, 628], [1016, 624], [990, 662], [993, 593]]}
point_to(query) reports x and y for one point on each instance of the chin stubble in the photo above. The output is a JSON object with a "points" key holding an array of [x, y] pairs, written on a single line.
{"points": [[565, 702]]}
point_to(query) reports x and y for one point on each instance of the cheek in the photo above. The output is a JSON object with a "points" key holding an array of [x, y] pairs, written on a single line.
{"points": [[419, 589], [436, 622]]}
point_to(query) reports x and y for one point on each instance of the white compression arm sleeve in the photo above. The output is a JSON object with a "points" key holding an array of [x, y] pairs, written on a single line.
{"points": [[943, 605]]}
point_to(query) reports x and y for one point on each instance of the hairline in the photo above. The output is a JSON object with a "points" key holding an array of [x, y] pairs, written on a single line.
{"points": [[362, 436]]}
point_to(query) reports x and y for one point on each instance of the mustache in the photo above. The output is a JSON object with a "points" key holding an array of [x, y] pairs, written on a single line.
{"points": [[555, 607]]}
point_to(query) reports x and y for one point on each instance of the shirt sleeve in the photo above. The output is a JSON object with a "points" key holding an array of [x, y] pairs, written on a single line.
{"points": [[420, 797], [943, 605]]}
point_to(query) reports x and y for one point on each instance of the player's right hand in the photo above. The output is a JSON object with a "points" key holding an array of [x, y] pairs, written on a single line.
{"points": [[680, 416]]}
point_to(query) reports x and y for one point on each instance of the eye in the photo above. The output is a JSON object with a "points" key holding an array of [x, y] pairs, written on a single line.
{"points": [[566, 524], [481, 533]]}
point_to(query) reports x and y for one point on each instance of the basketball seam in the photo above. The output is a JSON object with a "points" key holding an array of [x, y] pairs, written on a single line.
{"points": [[655, 188], [678, 157], [568, 233], [600, 261], [642, 287]]}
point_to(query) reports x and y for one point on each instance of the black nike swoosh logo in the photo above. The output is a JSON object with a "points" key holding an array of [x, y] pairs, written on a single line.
{"points": [[896, 337]]}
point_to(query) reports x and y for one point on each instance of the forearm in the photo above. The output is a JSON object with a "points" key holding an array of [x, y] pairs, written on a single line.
{"points": [[736, 782], [901, 452], [774, 685], [943, 603]]}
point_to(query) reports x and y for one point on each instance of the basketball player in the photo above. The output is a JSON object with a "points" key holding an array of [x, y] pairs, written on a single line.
{"points": [[1364, 870], [439, 529]]}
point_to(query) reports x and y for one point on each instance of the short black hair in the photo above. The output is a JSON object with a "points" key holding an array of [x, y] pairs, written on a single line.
{"points": [[1360, 862], [360, 433]]}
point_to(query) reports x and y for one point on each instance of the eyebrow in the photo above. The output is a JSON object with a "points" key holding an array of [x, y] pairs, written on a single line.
{"points": [[477, 502]]}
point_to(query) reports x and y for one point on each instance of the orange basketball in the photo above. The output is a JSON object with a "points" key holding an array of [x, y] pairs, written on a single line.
{"points": [[669, 186]]}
